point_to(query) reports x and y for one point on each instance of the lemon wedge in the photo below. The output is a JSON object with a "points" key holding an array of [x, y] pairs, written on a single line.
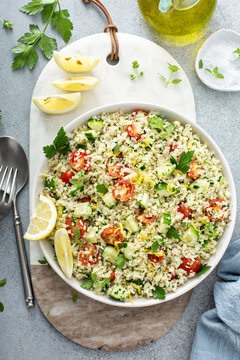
{"points": [[185, 4], [63, 251], [57, 104], [75, 63], [80, 83], [43, 220]]}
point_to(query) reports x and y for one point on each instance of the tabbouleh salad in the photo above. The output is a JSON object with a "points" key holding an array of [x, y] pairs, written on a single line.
{"points": [[144, 202]]}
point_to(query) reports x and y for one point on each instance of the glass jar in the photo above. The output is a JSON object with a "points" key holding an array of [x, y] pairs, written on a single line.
{"points": [[177, 17]]}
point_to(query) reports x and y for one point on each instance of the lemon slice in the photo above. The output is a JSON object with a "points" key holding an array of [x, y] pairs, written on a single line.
{"points": [[80, 83], [57, 104], [185, 4], [63, 251], [43, 220], [75, 63]]}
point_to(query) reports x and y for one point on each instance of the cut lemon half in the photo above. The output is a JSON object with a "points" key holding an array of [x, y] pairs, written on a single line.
{"points": [[43, 220], [75, 63], [80, 83], [184, 4], [63, 251], [57, 104]]}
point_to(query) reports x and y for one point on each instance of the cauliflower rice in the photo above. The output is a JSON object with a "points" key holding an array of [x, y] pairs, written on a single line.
{"points": [[140, 223]]}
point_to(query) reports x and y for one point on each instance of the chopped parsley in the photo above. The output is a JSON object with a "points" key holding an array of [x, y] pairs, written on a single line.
{"points": [[60, 145]]}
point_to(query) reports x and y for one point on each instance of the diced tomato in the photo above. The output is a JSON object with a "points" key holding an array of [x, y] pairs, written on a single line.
{"points": [[115, 169], [186, 211], [89, 254], [156, 259], [190, 265], [193, 171], [172, 147], [174, 276], [84, 199], [123, 190], [132, 132], [215, 210], [66, 176], [79, 160], [73, 223], [112, 235], [145, 219], [112, 276], [140, 111]]}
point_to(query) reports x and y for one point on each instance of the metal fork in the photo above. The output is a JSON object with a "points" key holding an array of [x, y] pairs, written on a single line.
{"points": [[7, 186]]}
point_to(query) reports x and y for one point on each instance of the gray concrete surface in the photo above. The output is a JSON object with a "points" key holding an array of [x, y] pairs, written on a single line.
{"points": [[26, 334]]}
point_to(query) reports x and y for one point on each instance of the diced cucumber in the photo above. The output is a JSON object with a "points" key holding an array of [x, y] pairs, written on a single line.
{"points": [[128, 251], [165, 170], [161, 188], [165, 223], [91, 236], [83, 210], [203, 184], [131, 224], [109, 199], [118, 292], [95, 124], [110, 253], [143, 200], [91, 135], [191, 235]]}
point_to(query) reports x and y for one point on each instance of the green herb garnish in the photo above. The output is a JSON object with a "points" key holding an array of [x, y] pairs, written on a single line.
{"points": [[78, 185], [1, 307], [60, 145], [200, 64], [155, 246], [94, 277], [90, 136], [173, 233], [184, 161], [51, 184], [161, 186], [173, 69], [25, 50], [238, 53], [101, 188], [203, 269], [81, 146], [143, 167], [215, 73], [3, 282], [158, 293], [116, 149], [7, 24], [74, 296], [137, 74], [87, 284], [103, 283], [44, 261], [76, 233], [120, 261]]}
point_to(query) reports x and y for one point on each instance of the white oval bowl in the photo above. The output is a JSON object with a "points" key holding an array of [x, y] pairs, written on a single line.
{"points": [[222, 242]]}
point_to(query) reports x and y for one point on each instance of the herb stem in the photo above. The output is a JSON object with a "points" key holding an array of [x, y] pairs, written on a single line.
{"points": [[50, 16]]}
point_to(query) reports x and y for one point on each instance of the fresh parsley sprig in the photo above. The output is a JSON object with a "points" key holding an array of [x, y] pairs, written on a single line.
{"points": [[184, 161], [173, 69], [60, 145], [7, 24], [137, 75], [25, 51], [215, 73]]}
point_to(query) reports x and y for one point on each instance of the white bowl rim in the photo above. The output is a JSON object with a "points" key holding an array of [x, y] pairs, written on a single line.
{"points": [[190, 284]]}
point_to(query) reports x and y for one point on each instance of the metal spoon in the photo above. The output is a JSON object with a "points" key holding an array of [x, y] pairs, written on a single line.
{"points": [[13, 155]]}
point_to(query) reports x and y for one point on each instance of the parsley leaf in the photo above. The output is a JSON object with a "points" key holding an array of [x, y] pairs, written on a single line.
{"points": [[33, 7], [120, 261], [155, 246], [3, 282], [200, 64], [63, 24], [76, 233], [173, 233], [7, 24], [158, 293], [103, 283], [47, 45], [44, 261], [1, 307], [238, 54], [116, 148], [137, 75], [87, 284], [157, 122], [184, 161], [173, 69], [74, 296], [203, 269], [78, 186], [101, 188], [60, 144]]}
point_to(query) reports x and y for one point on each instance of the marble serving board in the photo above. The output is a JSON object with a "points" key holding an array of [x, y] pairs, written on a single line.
{"points": [[129, 328]]}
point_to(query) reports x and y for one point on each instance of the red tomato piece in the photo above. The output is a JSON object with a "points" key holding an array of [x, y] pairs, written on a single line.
{"points": [[193, 171], [112, 276], [84, 199], [140, 111], [89, 254], [172, 147], [123, 190], [112, 235], [146, 219], [66, 176], [79, 160], [115, 169], [186, 211], [190, 265], [215, 210], [156, 259], [132, 132], [73, 223]]}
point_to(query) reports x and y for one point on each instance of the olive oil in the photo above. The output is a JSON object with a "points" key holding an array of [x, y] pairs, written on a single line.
{"points": [[178, 21]]}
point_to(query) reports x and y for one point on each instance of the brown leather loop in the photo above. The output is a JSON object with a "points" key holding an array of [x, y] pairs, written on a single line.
{"points": [[112, 29]]}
